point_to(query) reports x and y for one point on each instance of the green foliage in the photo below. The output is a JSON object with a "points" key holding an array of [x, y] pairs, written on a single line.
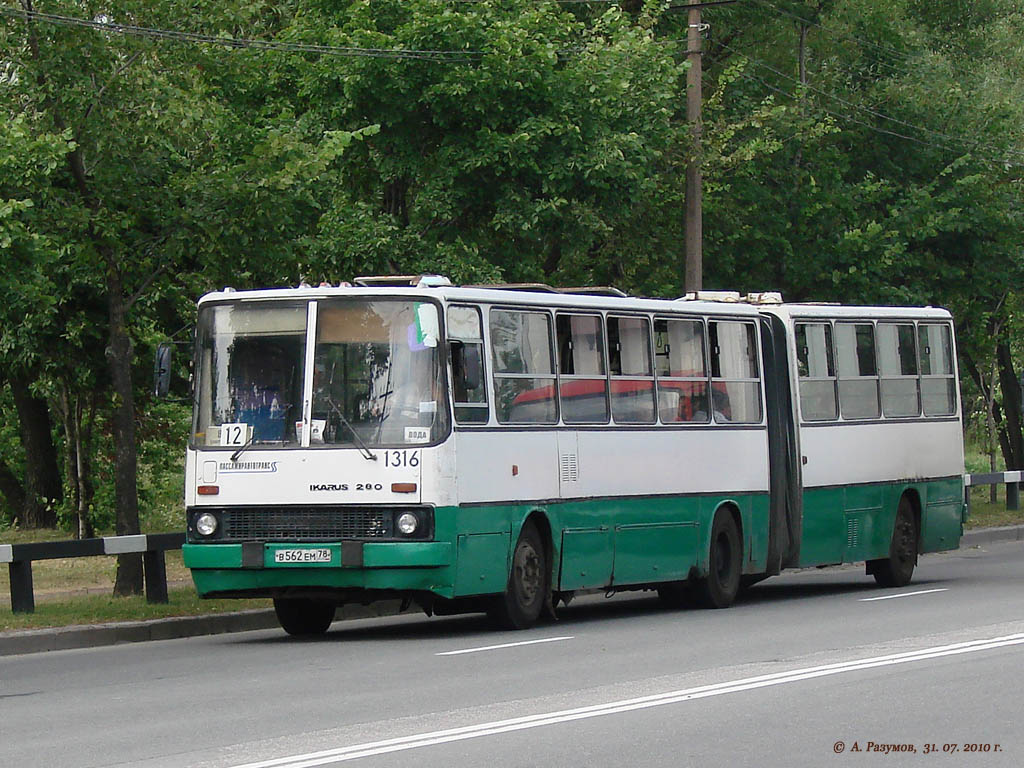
{"points": [[524, 141]]}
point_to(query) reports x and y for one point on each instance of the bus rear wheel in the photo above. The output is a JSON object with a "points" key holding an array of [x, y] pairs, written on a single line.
{"points": [[897, 569], [725, 561], [520, 605], [303, 617]]}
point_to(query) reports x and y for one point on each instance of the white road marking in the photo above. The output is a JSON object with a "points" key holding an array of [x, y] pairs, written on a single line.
{"points": [[505, 645], [369, 749], [903, 594]]}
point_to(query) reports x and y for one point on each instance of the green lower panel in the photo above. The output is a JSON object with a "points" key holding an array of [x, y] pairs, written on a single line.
{"points": [[482, 563], [943, 520], [854, 523], [654, 552], [594, 544], [588, 555]]}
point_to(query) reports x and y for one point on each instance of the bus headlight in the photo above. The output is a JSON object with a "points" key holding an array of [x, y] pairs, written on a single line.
{"points": [[407, 523], [206, 524]]}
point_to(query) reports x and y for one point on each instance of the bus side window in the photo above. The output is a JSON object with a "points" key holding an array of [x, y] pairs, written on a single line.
{"points": [[897, 362], [629, 355], [682, 371], [938, 384], [524, 371], [735, 382], [817, 369], [583, 387], [858, 371], [466, 343]]}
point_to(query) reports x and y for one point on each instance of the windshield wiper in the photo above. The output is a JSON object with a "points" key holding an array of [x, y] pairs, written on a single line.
{"points": [[358, 440], [244, 448]]}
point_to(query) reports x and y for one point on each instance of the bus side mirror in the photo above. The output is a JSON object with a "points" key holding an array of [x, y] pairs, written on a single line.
{"points": [[466, 365], [162, 370]]}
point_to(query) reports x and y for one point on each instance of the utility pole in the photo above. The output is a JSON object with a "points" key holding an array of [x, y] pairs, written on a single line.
{"points": [[694, 217]]}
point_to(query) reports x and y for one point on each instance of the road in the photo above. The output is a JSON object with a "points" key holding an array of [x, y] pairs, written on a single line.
{"points": [[805, 661]]}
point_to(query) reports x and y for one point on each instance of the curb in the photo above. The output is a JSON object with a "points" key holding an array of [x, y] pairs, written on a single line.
{"points": [[981, 536], [94, 636], [115, 633]]}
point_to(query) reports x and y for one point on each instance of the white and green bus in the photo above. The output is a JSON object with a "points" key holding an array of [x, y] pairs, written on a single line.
{"points": [[504, 448]]}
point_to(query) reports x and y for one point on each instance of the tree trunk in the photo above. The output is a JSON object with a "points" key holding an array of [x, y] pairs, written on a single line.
{"points": [[990, 423], [86, 487], [396, 200], [1011, 407], [78, 464], [119, 361], [997, 412], [12, 492], [43, 488], [67, 415]]}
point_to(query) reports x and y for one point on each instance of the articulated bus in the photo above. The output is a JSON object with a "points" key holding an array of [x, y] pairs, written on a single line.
{"points": [[504, 448]]}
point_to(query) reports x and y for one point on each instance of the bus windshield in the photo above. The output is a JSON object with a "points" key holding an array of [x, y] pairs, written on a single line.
{"points": [[376, 374]]}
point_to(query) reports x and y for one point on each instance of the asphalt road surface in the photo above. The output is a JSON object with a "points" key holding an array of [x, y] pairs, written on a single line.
{"points": [[811, 668]]}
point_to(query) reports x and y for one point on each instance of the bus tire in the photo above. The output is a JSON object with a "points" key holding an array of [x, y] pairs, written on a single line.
{"points": [[303, 617], [725, 562], [526, 594], [897, 569]]}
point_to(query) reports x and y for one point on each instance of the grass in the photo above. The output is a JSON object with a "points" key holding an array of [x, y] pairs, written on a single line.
{"points": [[985, 514], [74, 574], [100, 609], [79, 590]]}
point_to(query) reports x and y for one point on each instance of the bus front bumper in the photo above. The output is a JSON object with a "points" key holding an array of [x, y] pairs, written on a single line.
{"points": [[262, 568]]}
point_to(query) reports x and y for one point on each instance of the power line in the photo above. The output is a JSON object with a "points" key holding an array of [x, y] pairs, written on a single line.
{"points": [[851, 119], [868, 110], [242, 43], [808, 22], [884, 48], [833, 113]]}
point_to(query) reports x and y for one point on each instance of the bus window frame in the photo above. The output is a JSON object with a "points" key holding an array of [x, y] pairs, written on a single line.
{"points": [[876, 378], [758, 380], [883, 378], [495, 375], [612, 377], [702, 321], [949, 377], [484, 377], [600, 316], [831, 354]]}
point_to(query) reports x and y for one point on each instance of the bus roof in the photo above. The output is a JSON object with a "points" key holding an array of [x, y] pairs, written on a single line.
{"points": [[841, 311], [488, 295], [727, 303]]}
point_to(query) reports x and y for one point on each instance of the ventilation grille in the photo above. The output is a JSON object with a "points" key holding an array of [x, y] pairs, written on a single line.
{"points": [[569, 468], [852, 532]]}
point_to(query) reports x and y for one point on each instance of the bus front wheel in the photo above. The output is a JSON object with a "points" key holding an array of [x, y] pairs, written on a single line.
{"points": [[897, 569], [520, 605], [303, 617], [725, 561]]}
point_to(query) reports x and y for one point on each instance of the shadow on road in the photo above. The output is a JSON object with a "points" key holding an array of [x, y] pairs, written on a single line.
{"points": [[476, 629]]}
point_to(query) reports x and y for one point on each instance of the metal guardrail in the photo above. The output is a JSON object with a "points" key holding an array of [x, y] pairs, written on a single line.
{"points": [[152, 546], [1012, 480]]}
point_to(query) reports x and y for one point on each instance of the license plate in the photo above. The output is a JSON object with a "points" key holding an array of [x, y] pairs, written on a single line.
{"points": [[302, 556]]}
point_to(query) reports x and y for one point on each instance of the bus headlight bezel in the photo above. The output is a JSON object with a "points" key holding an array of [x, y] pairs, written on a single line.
{"points": [[407, 523], [206, 524]]}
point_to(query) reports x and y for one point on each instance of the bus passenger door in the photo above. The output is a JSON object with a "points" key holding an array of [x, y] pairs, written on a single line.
{"points": [[784, 471]]}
